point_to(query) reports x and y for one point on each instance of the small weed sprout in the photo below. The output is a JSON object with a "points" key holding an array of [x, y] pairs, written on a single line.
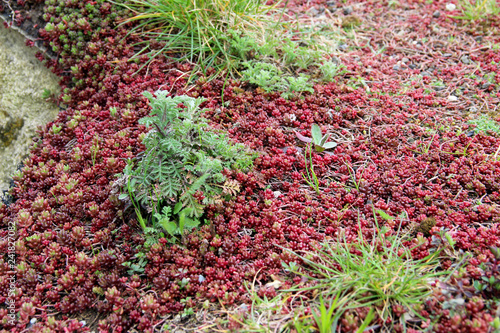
{"points": [[56, 129], [113, 111], [329, 70], [320, 143], [270, 78], [319, 140], [300, 56], [298, 84], [265, 75], [311, 179], [485, 124], [46, 93], [243, 47]]}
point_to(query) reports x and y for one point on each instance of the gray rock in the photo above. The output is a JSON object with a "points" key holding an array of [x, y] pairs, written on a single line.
{"points": [[438, 88], [446, 55], [396, 67], [314, 12], [436, 14], [425, 74], [405, 60], [331, 6], [10, 124], [465, 60], [347, 10], [343, 47], [23, 79], [412, 66], [335, 60], [485, 85]]}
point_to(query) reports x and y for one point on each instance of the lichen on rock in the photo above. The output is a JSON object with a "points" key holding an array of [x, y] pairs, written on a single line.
{"points": [[23, 79]]}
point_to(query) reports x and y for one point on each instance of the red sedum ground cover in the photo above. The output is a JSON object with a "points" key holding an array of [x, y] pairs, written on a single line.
{"points": [[408, 144]]}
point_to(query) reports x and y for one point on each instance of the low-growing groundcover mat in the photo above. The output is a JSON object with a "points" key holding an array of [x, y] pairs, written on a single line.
{"points": [[411, 190]]}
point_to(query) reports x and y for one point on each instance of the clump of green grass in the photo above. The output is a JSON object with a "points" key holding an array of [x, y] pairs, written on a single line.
{"points": [[473, 10], [374, 278], [238, 37], [368, 280], [286, 313], [200, 31], [341, 279]]}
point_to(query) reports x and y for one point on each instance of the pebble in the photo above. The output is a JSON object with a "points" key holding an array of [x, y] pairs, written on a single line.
{"points": [[347, 10], [335, 60], [450, 7], [331, 6], [396, 67], [473, 109], [314, 12], [425, 74], [439, 88], [405, 60], [412, 66], [452, 98], [486, 85], [465, 60], [446, 55], [343, 47], [436, 14], [330, 114]]}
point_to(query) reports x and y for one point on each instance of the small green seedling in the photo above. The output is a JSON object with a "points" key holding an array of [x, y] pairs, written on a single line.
{"points": [[56, 129], [46, 93], [113, 111], [319, 140]]}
